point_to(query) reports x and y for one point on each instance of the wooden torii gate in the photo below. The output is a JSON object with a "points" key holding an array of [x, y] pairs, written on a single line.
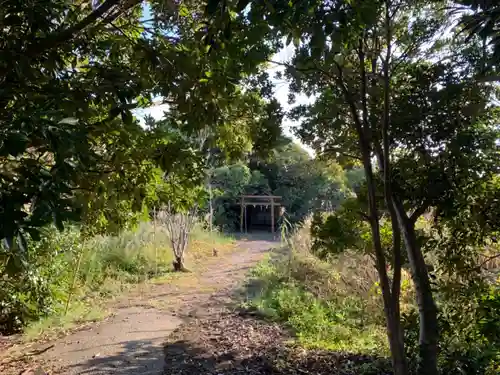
{"points": [[257, 200]]}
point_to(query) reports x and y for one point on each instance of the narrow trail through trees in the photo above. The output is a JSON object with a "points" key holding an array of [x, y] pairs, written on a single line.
{"points": [[131, 341]]}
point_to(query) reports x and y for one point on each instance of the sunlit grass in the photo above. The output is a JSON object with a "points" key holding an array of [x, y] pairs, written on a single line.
{"points": [[78, 314], [332, 305], [113, 266]]}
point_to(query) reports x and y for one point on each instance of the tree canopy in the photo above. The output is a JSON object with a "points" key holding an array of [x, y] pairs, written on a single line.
{"points": [[71, 74], [305, 184], [397, 95]]}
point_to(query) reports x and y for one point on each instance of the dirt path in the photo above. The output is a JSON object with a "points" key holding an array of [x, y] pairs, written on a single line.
{"points": [[131, 341], [239, 343]]}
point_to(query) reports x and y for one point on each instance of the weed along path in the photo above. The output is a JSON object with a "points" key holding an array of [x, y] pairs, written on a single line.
{"points": [[131, 341]]}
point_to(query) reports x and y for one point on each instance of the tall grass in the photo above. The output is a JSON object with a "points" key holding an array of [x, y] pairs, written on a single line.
{"points": [[132, 256], [70, 274], [138, 255], [333, 305]]}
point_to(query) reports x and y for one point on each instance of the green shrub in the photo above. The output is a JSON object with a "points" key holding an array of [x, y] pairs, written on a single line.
{"points": [[468, 298], [469, 330], [22, 300], [36, 287], [320, 317]]}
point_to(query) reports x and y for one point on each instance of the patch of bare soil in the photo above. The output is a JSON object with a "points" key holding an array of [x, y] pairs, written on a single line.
{"points": [[235, 343]]}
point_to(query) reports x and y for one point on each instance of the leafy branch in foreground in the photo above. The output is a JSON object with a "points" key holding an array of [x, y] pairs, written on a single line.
{"points": [[70, 76]]}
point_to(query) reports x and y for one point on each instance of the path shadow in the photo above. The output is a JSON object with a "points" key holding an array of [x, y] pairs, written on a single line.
{"points": [[256, 236], [184, 358], [146, 356], [256, 349], [138, 357]]}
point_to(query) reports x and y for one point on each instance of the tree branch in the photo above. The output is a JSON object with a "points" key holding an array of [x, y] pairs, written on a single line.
{"points": [[387, 100], [352, 106], [487, 260], [290, 66], [420, 211], [364, 103], [54, 40]]}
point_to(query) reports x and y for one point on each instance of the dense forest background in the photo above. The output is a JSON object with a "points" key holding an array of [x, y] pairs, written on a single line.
{"points": [[306, 184]]}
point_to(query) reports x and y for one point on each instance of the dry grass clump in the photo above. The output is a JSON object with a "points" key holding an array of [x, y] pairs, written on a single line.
{"points": [[347, 275], [333, 304]]}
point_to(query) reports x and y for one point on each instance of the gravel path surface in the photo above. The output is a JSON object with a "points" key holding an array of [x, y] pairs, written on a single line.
{"points": [[131, 341]]}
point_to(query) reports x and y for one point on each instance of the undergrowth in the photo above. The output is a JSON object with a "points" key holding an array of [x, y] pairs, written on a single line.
{"points": [[336, 305], [68, 275], [329, 305], [323, 320]]}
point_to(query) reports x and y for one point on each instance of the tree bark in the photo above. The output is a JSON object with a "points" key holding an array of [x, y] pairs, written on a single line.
{"points": [[391, 304], [179, 265], [396, 331], [396, 341], [428, 335], [390, 297], [399, 361]]}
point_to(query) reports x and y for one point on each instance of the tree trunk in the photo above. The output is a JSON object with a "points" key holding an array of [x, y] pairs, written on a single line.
{"points": [[391, 308], [429, 335], [396, 341], [390, 297], [392, 313], [391, 300], [179, 265]]}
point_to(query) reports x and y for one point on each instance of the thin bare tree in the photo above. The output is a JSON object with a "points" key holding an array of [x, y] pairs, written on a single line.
{"points": [[179, 225]]}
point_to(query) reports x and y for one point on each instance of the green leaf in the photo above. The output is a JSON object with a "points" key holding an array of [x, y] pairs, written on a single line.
{"points": [[14, 144], [58, 221], [23, 244], [69, 121], [34, 234], [8, 242], [127, 117], [183, 10]]}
